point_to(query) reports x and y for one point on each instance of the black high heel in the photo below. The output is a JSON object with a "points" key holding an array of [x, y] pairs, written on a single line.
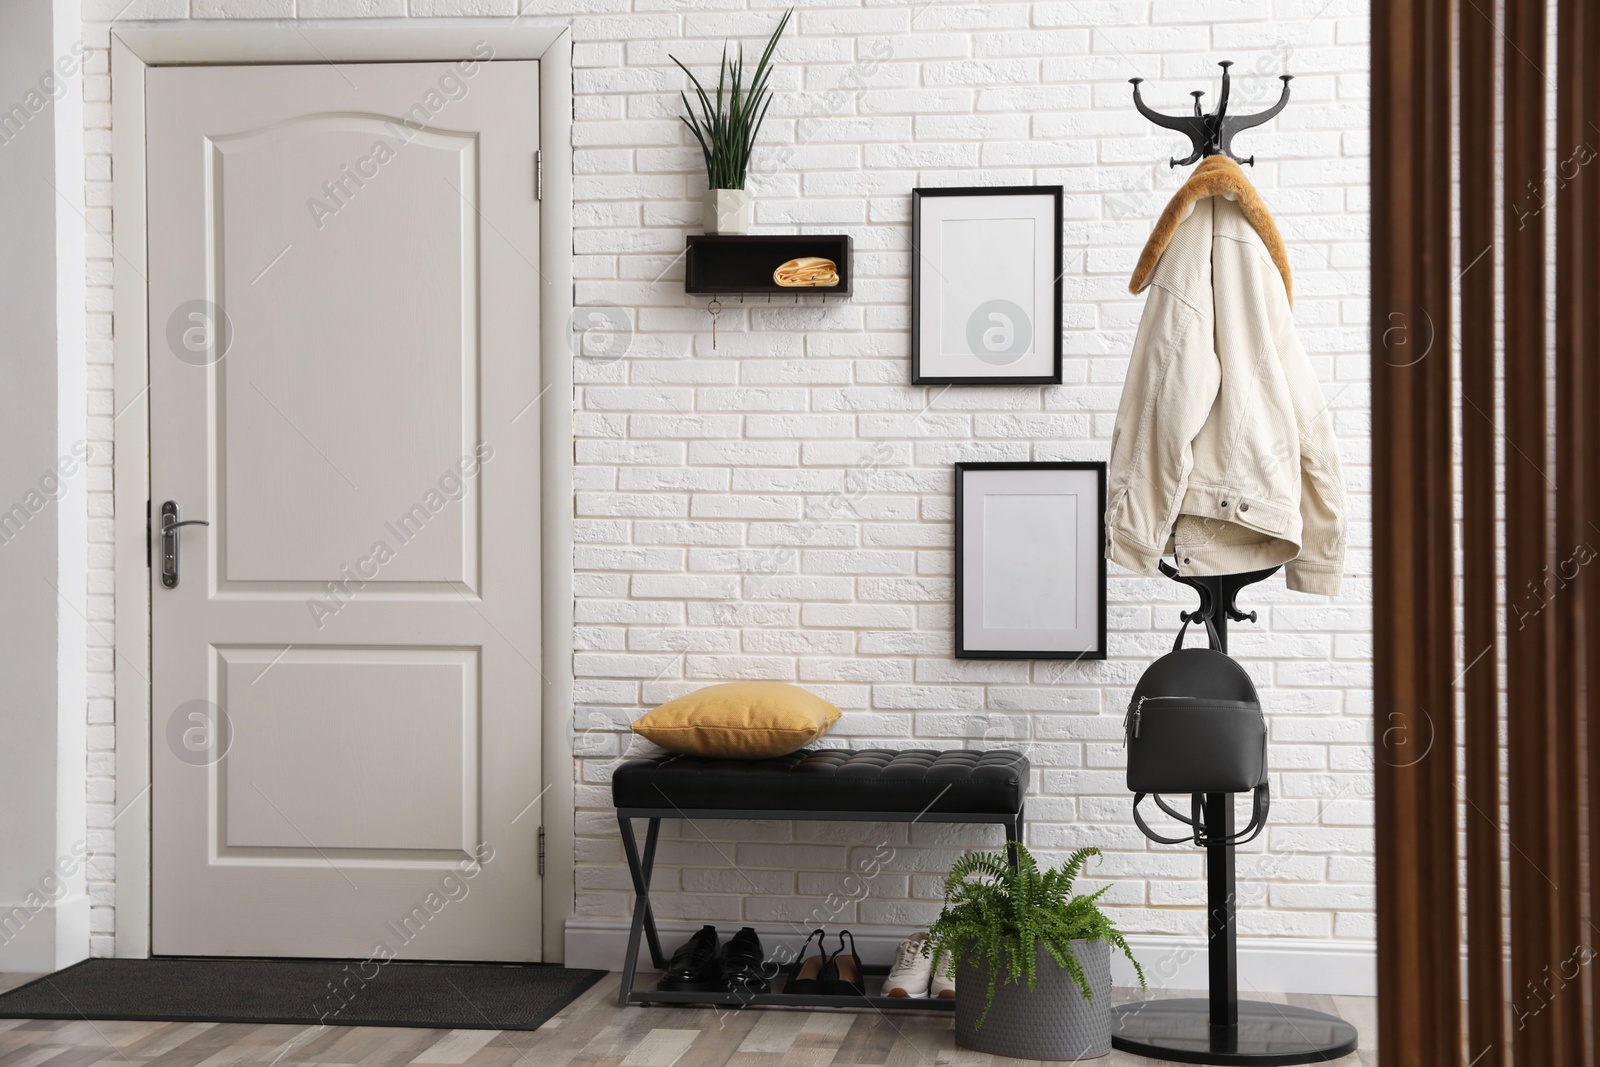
{"points": [[842, 976], [806, 976]]}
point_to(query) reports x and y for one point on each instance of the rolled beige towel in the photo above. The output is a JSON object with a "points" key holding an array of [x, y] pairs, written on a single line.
{"points": [[807, 272]]}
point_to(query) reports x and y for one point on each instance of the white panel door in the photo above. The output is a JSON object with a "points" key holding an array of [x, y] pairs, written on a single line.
{"points": [[344, 375]]}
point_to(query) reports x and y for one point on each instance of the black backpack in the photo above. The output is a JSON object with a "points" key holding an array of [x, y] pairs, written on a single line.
{"points": [[1194, 725]]}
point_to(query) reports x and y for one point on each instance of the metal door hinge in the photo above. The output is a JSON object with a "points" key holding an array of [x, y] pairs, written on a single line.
{"points": [[147, 533], [538, 175], [541, 852]]}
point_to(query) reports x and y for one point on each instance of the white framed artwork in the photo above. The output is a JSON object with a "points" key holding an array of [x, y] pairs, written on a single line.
{"points": [[986, 286], [1030, 568]]}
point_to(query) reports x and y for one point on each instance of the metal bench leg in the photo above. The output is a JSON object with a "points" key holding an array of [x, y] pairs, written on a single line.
{"points": [[643, 919], [1014, 829], [652, 834]]}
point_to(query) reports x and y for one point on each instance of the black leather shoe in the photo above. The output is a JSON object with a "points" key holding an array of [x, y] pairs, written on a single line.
{"points": [[693, 967], [743, 969], [805, 974], [842, 976]]}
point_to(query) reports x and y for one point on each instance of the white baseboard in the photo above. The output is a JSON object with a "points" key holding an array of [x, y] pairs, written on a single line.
{"points": [[1278, 965], [1284, 965], [47, 938]]}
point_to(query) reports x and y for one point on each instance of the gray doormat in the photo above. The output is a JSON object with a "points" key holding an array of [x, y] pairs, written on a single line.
{"points": [[435, 996]]}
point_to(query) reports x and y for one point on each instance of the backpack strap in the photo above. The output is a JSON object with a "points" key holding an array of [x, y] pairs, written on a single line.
{"points": [[1258, 816], [1211, 632], [1144, 827], [1196, 815], [1260, 807]]}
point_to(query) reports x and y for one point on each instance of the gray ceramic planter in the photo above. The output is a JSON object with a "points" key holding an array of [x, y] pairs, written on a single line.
{"points": [[1053, 1021]]}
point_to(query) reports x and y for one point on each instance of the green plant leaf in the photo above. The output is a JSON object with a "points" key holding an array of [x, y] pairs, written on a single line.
{"points": [[995, 915], [726, 127]]}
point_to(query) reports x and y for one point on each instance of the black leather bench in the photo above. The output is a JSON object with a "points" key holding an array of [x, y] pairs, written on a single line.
{"points": [[864, 785]]}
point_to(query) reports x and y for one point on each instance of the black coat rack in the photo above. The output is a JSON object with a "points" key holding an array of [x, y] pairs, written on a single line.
{"points": [[1211, 135], [1222, 1029]]}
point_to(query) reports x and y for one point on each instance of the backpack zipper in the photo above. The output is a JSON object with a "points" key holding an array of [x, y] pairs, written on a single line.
{"points": [[1132, 718]]}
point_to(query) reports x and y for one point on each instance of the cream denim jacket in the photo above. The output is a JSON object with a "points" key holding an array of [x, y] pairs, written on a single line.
{"points": [[1223, 455]]}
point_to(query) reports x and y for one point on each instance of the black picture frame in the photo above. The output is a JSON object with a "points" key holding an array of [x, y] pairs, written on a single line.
{"points": [[919, 278], [1094, 552]]}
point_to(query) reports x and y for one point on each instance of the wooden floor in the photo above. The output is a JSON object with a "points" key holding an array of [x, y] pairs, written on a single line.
{"points": [[591, 1032]]}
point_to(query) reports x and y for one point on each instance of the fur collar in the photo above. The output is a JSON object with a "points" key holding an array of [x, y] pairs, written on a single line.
{"points": [[1215, 176]]}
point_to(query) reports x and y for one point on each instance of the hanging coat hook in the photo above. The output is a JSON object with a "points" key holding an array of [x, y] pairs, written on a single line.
{"points": [[1218, 594], [1211, 135]]}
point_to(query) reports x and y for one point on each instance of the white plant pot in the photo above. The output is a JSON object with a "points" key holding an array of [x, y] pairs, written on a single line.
{"points": [[729, 211]]}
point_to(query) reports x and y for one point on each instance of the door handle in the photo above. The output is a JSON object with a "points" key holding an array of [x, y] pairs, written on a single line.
{"points": [[171, 539]]}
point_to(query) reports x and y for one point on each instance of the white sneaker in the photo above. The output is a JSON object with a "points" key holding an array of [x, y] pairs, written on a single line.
{"points": [[912, 970], [943, 984]]}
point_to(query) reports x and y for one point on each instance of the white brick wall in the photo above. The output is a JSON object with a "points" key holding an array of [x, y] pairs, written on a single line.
{"points": [[797, 448]]}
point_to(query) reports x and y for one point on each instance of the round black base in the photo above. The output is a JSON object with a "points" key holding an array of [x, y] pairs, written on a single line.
{"points": [[1268, 1034]]}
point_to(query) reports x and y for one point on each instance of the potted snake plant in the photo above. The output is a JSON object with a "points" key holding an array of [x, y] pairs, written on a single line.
{"points": [[726, 131], [1032, 960]]}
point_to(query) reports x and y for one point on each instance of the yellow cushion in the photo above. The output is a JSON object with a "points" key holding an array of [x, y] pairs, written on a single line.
{"points": [[739, 720]]}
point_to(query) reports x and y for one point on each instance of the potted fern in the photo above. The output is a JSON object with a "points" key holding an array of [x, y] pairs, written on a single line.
{"points": [[1032, 961], [726, 132]]}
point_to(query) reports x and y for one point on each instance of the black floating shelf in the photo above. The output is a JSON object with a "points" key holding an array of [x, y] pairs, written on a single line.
{"points": [[742, 264]]}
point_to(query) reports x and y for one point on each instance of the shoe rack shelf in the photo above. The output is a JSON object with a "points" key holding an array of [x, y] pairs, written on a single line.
{"points": [[797, 1000], [642, 933]]}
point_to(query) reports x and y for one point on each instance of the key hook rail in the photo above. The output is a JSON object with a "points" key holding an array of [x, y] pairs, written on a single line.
{"points": [[1222, 1029], [1211, 135]]}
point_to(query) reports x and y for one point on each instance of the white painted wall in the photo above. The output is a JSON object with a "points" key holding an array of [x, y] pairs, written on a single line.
{"points": [[44, 908], [694, 465]]}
